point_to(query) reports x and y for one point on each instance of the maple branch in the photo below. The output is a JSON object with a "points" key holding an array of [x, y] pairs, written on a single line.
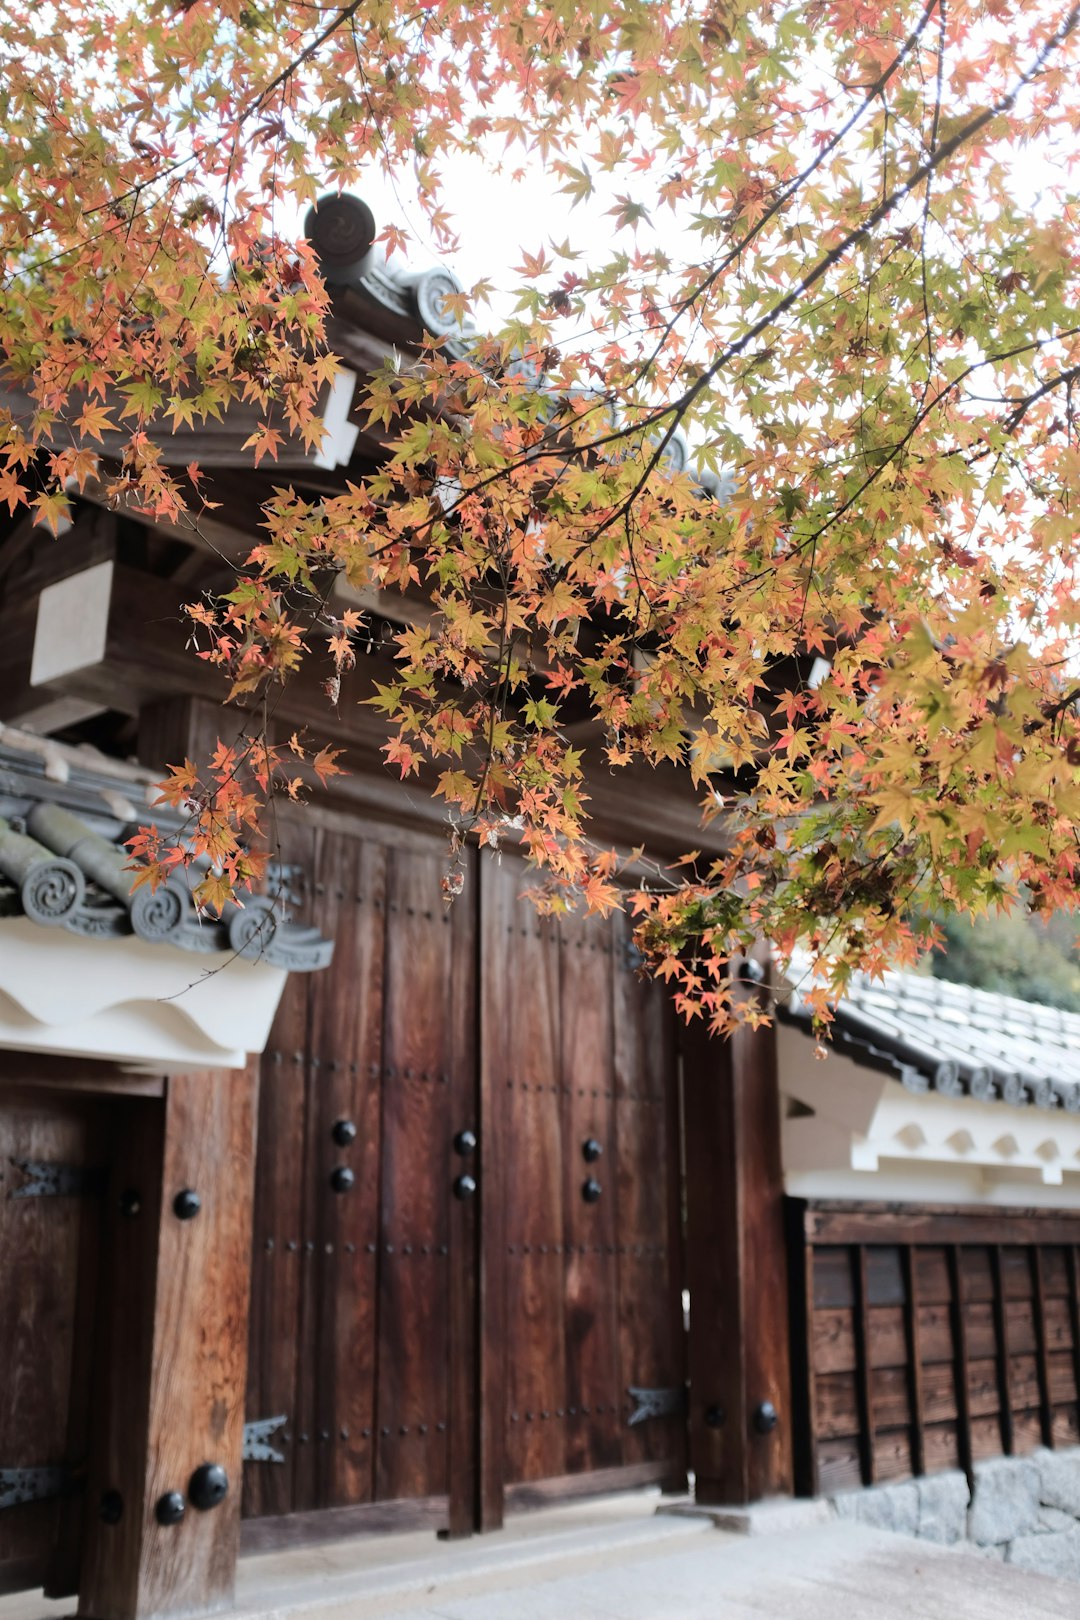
{"points": [[927, 320], [1016, 416], [679, 408], [827, 262], [306, 54], [1052, 712], [788, 191]]}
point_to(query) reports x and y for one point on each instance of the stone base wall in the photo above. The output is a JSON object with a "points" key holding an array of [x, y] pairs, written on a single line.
{"points": [[1023, 1510]]}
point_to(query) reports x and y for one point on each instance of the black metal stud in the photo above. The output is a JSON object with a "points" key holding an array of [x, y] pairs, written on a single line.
{"points": [[208, 1486], [714, 1417], [591, 1190], [130, 1203], [591, 1150], [344, 1132], [187, 1204], [766, 1418], [464, 1144], [342, 1178], [169, 1508], [464, 1187]]}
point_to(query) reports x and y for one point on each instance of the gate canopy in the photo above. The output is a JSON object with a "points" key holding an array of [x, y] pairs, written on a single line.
{"points": [[932, 1092], [89, 968]]}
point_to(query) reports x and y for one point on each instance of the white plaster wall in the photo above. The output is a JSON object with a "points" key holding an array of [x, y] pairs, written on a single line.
{"points": [[867, 1136], [131, 1002]]}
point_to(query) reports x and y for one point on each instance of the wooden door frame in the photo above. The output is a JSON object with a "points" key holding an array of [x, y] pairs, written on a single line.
{"points": [[739, 1354], [495, 1067], [465, 1510]]}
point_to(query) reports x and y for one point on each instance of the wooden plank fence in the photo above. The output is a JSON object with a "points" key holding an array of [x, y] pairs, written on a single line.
{"points": [[926, 1338]]}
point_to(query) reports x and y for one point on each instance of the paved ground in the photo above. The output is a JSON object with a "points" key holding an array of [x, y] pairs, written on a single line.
{"points": [[618, 1561]]}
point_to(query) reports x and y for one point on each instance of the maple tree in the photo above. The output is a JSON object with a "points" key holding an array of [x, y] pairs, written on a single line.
{"points": [[827, 267]]}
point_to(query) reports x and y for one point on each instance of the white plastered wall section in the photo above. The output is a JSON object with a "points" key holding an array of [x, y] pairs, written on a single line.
{"points": [[867, 1137], [145, 1005]]}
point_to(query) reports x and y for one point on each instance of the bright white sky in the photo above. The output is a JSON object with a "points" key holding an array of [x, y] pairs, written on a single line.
{"points": [[496, 216]]}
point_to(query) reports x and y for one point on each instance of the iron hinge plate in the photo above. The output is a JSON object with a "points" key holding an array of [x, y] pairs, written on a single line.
{"points": [[257, 1436], [47, 1180], [654, 1403], [19, 1485]]}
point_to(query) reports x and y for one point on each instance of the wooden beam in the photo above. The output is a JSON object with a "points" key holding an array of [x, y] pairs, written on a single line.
{"points": [[146, 657], [464, 1326], [842, 1223], [913, 1335], [172, 1354], [147, 668], [223, 443], [173, 729], [960, 1345], [1038, 1306], [803, 1374], [1073, 1264], [496, 1064], [863, 1374], [1001, 1339], [739, 1356]]}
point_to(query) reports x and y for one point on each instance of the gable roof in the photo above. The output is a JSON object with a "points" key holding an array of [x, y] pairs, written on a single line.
{"points": [[959, 1041], [65, 816]]}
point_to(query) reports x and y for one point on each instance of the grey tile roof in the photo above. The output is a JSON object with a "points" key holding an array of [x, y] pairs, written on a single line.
{"points": [[65, 815], [961, 1042]]}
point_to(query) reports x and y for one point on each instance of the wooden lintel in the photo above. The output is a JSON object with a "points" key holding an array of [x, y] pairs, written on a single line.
{"points": [[847, 1223], [148, 666]]}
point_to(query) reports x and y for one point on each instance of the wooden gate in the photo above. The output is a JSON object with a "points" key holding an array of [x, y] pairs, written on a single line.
{"points": [[52, 1177], [443, 1321], [582, 1260], [363, 1268]]}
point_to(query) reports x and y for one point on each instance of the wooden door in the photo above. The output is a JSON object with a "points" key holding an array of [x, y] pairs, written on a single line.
{"points": [[52, 1176], [582, 1251], [363, 1266], [424, 1369]]}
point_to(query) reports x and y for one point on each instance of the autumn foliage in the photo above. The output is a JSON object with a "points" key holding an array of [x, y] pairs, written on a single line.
{"points": [[843, 264]]}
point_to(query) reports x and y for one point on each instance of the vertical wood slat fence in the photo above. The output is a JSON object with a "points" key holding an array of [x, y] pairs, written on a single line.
{"points": [[926, 1338]]}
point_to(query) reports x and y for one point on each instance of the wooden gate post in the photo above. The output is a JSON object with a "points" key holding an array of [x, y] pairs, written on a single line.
{"points": [[172, 1353], [739, 1357]]}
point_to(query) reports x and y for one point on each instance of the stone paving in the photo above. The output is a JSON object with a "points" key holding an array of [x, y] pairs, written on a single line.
{"points": [[620, 1560], [667, 1568]]}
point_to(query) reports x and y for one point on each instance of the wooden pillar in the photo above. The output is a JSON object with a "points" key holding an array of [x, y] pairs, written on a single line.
{"points": [[172, 1351], [173, 729], [739, 1356]]}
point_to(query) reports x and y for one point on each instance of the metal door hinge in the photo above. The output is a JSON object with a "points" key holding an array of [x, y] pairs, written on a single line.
{"points": [[47, 1180], [19, 1485], [651, 1403], [257, 1434]]}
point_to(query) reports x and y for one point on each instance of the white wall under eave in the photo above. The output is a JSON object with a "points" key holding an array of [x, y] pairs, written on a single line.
{"points": [[867, 1137], [149, 1006]]}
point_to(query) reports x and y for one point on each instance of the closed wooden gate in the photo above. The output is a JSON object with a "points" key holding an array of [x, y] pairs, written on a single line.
{"points": [[363, 1259], [444, 1320], [52, 1178], [581, 1230]]}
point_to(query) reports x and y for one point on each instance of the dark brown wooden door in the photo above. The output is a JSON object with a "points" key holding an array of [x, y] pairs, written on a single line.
{"points": [[434, 1350], [48, 1243], [580, 1186], [362, 1257]]}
